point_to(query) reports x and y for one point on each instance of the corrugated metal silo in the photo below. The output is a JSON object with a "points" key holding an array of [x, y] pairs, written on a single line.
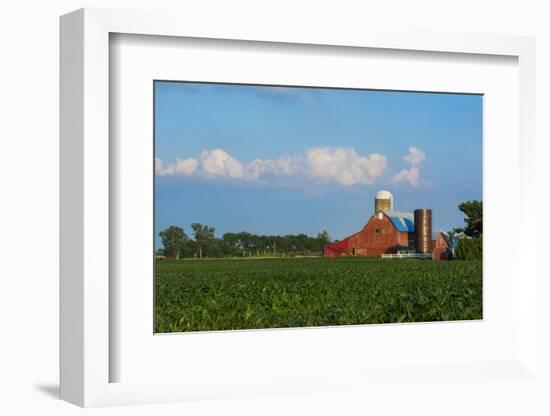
{"points": [[423, 230]]}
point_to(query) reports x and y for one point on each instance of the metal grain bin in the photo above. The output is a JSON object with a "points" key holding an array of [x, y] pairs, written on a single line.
{"points": [[423, 230]]}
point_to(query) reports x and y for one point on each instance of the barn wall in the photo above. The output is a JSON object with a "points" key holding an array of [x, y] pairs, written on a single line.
{"points": [[337, 249], [440, 242], [440, 248], [369, 242]]}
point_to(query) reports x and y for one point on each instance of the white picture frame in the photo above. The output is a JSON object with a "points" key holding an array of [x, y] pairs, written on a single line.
{"points": [[85, 353]]}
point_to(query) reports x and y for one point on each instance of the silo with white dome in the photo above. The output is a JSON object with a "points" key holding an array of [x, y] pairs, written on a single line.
{"points": [[383, 201]]}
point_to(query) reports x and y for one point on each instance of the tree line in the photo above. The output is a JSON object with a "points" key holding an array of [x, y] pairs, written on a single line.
{"points": [[177, 244]]}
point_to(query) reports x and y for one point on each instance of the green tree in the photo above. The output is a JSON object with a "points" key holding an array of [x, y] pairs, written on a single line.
{"points": [[174, 240], [474, 217], [324, 239], [204, 236], [470, 249]]}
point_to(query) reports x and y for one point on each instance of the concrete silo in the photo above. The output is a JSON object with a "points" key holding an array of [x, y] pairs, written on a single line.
{"points": [[423, 230], [383, 201]]}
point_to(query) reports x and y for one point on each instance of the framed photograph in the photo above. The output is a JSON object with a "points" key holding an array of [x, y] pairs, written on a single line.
{"points": [[299, 246], [268, 212]]}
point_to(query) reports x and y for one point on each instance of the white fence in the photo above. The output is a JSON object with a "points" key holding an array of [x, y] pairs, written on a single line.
{"points": [[407, 256]]}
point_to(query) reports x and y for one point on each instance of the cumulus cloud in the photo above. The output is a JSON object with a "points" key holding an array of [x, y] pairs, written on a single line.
{"points": [[342, 165], [159, 167], [415, 156], [286, 165], [217, 162], [411, 176], [185, 167]]}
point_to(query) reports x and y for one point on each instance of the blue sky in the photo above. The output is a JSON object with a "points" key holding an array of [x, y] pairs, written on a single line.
{"points": [[285, 160]]}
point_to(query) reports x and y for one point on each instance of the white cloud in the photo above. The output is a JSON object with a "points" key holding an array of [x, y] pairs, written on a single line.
{"points": [[411, 176], [184, 167], [159, 167], [286, 165], [217, 162], [342, 165], [415, 156]]}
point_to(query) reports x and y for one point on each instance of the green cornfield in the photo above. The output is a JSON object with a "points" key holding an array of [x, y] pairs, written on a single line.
{"points": [[228, 294]]}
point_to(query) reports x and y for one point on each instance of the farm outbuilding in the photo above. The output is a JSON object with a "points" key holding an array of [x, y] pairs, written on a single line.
{"points": [[392, 232]]}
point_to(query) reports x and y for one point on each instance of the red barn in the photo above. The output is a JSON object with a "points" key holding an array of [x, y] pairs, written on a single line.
{"points": [[388, 232], [440, 246], [385, 233]]}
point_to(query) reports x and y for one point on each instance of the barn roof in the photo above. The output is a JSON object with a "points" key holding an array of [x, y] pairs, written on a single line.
{"points": [[435, 235], [403, 221]]}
